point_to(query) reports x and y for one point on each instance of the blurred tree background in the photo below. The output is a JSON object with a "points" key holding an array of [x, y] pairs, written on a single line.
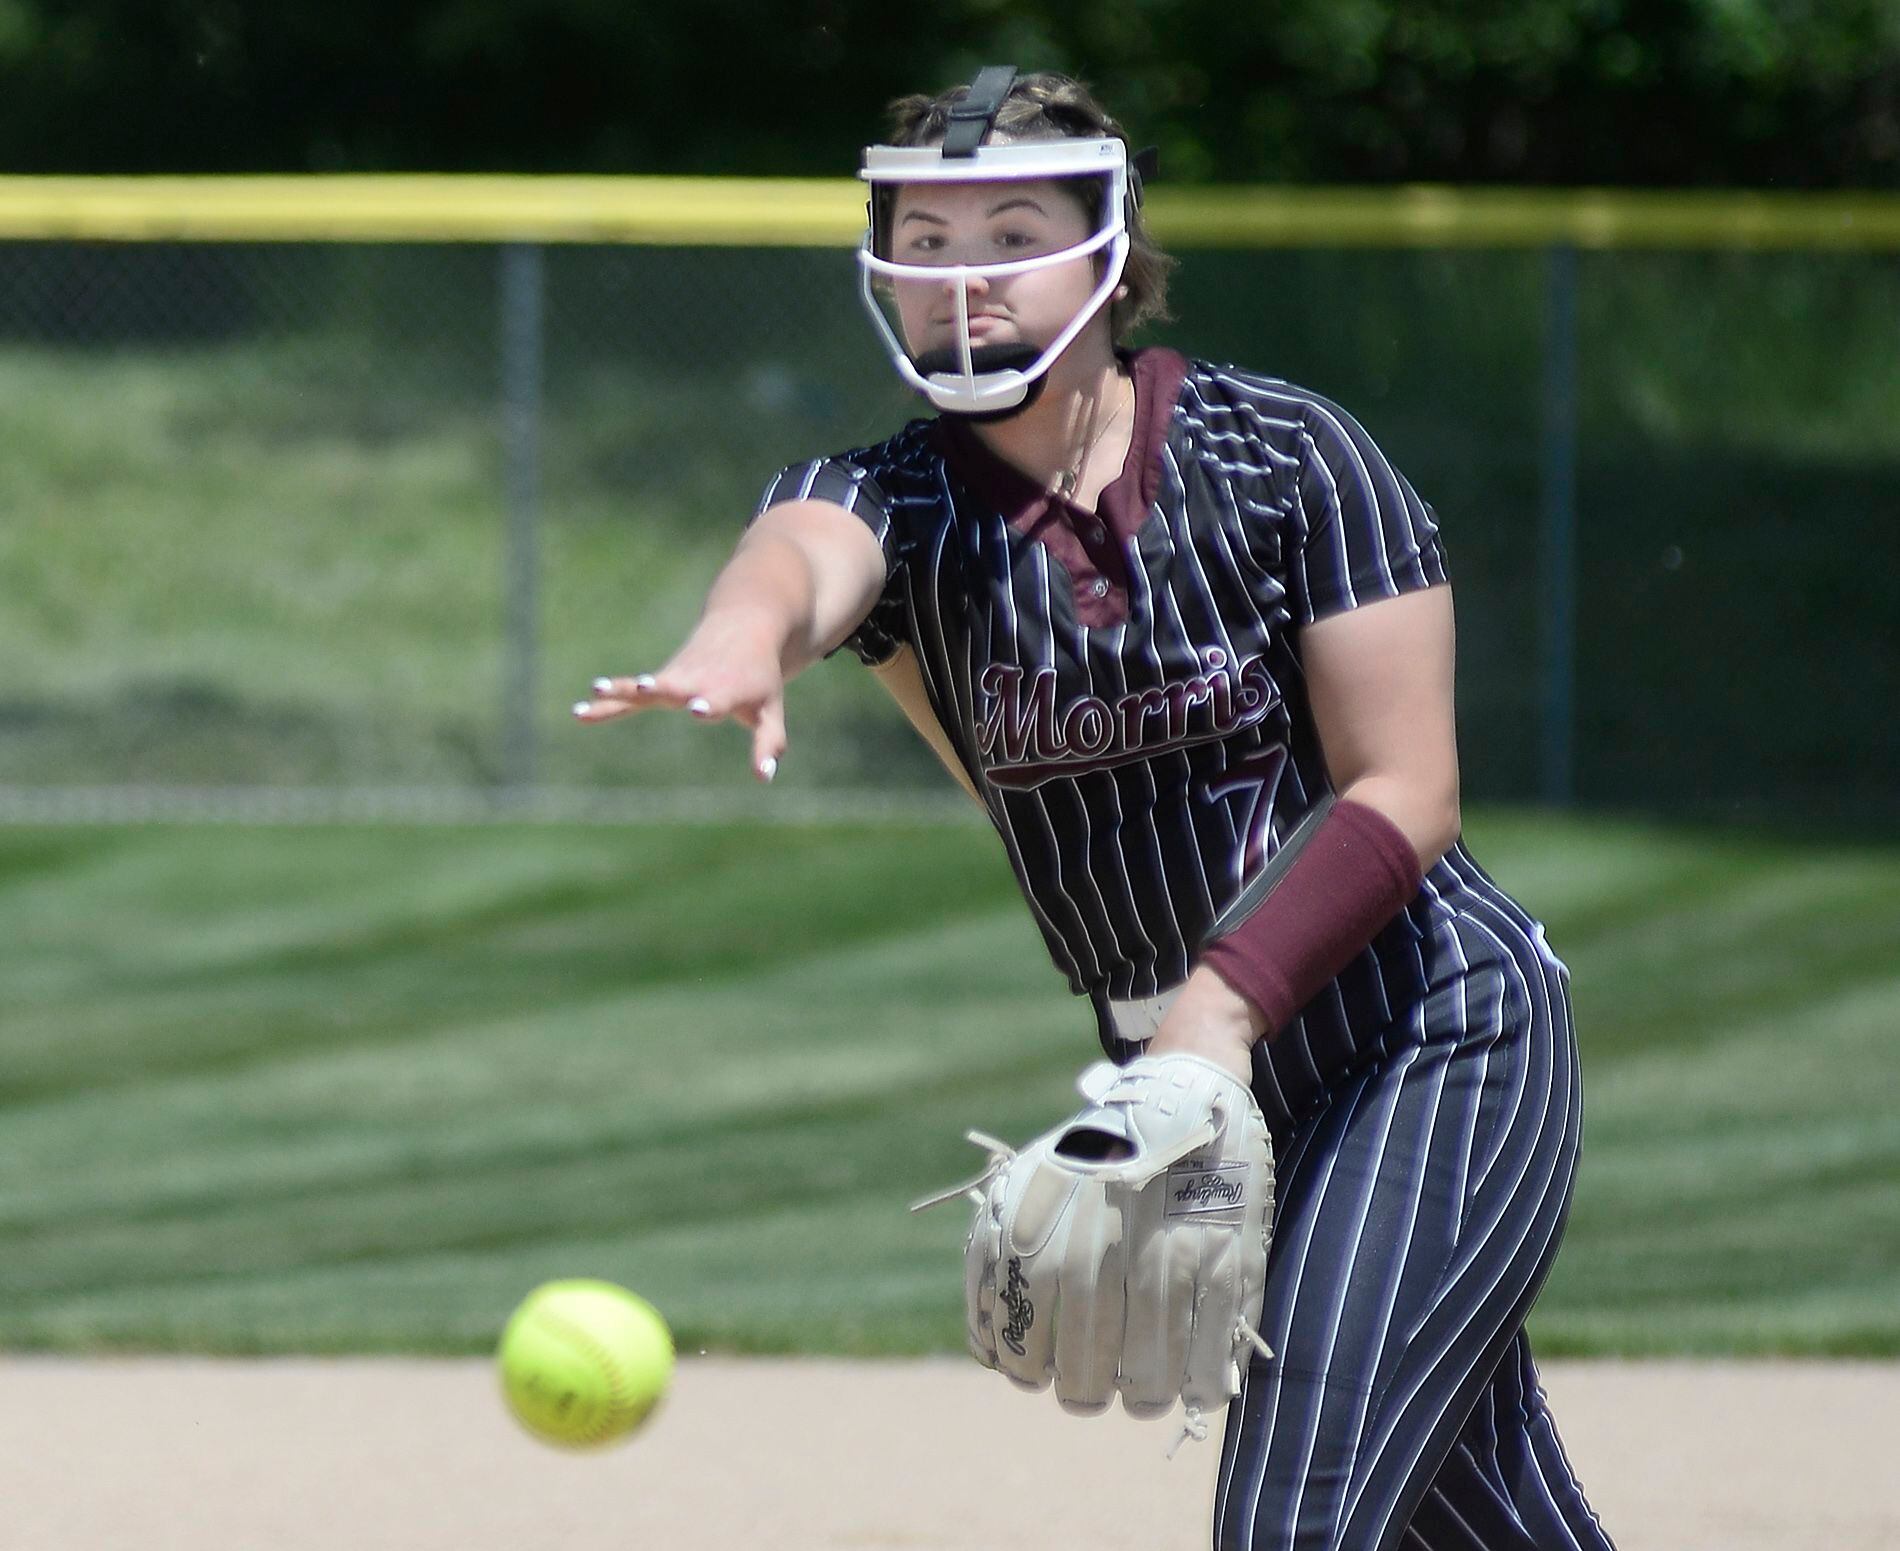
{"points": [[1748, 93]]}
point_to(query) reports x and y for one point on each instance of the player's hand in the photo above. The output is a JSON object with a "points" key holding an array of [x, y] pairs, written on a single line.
{"points": [[728, 670], [1211, 1020]]}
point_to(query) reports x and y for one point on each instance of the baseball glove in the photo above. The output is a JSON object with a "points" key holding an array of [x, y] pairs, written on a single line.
{"points": [[1126, 1250]]}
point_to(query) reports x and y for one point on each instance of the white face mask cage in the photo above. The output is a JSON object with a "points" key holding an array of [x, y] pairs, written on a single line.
{"points": [[968, 389]]}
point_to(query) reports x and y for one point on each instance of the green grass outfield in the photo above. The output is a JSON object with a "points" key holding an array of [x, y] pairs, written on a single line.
{"points": [[357, 1089]]}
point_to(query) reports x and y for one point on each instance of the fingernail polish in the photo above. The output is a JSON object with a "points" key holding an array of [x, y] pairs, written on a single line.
{"points": [[603, 686], [699, 705], [582, 707], [644, 681], [768, 768]]}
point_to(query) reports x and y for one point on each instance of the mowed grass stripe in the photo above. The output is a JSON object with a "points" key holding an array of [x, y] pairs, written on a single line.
{"points": [[168, 951], [357, 1089]]}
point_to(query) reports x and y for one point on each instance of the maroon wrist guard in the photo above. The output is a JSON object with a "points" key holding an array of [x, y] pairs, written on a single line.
{"points": [[1352, 875]]}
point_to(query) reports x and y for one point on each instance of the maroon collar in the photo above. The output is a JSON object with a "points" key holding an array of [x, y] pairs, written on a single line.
{"points": [[1157, 374]]}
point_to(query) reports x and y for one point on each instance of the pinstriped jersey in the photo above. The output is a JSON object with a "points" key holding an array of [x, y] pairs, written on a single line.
{"points": [[1123, 684]]}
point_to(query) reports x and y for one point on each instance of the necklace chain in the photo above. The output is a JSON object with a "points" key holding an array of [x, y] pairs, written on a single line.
{"points": [[1070, 477]]}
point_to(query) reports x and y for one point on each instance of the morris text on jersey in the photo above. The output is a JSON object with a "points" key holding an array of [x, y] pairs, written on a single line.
{"points": [[1026, 736]]}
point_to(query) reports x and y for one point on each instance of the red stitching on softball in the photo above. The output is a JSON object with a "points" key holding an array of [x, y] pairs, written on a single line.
{"points": [[618, 1383]]}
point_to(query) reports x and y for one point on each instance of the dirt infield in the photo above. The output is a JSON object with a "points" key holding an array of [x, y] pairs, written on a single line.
{"points": [[168, 1455]]}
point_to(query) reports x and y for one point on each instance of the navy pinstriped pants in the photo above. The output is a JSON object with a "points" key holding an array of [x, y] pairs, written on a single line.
{"points": [[1418, 1212]]}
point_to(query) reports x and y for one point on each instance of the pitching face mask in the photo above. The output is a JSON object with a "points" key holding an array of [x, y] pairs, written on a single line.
{"points": [[965, 377]]}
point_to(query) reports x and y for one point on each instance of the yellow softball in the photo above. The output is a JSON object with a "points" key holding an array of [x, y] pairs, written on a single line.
{"points": [[583, 1363]]}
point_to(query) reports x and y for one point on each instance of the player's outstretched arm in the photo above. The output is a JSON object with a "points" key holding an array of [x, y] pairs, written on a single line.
{"points": [[802, 579]]}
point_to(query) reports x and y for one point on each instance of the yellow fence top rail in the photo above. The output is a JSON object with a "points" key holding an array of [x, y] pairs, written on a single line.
{"points": [[829, 212]]}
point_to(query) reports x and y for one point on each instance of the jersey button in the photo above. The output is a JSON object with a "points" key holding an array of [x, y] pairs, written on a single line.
{"points": [[1099, 587], [1098, 533]]}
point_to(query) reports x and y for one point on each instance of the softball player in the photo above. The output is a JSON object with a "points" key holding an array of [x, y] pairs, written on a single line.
{"points": [[1154, 613]]}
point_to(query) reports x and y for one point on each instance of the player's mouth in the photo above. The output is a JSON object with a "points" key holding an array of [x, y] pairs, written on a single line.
{"points": [[982, 324]]}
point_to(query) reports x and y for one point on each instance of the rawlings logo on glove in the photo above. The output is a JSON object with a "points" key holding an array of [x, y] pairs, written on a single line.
{"points": [[1205, 1190], [1022, 1313], [1143, 1223]]}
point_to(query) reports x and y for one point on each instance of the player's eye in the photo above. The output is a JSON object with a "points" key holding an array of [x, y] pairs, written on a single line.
{"points": [[1024, 242]]}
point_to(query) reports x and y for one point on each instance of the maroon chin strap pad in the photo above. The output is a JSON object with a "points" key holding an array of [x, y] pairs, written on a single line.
{"points": [[1353, 874]]}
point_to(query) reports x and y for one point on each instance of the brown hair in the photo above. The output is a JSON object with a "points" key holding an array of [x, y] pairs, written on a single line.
{"points": [[1047, 106]]}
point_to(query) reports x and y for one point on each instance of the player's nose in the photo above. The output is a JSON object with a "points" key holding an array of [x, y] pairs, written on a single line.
{"points": [[973, 286]]}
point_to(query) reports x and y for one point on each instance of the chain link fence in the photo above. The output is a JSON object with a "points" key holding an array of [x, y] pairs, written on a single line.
{"points": [[343, 529]]}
